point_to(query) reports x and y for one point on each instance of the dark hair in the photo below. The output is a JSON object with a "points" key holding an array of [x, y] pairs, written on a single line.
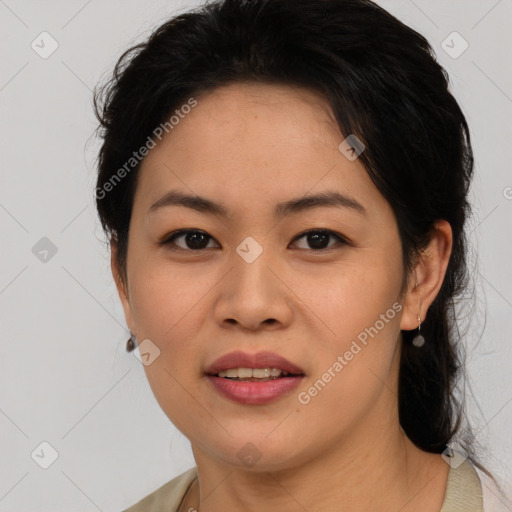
{"points": [[383, 84]]}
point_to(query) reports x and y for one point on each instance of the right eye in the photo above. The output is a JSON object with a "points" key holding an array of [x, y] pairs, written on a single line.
{"points": [[193, 238]]}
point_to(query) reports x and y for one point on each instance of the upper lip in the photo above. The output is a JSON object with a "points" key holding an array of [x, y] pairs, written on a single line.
{"points": [[239, 359]]}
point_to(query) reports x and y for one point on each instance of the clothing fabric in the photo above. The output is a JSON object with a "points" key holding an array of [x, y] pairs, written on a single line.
{"points": [[467, 490]]}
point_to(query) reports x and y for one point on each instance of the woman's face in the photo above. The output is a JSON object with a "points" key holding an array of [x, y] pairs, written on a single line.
{"points": [[253, 282]]}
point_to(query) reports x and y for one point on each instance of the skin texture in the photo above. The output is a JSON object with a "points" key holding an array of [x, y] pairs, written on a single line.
{"points": [[249, 147]]}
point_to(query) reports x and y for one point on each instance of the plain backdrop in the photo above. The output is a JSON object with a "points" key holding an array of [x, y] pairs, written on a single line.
{"points": [[65, 378]]}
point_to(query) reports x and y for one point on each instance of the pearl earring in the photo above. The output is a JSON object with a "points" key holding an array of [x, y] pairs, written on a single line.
{"points": [[418, 340]]}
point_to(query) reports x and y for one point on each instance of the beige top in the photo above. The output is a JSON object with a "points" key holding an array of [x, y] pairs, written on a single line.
{"points": [[463, 492]]}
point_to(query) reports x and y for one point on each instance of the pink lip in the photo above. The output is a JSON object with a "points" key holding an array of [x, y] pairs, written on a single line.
{"points": [[250, 392], [241, 359], [255, 393]]}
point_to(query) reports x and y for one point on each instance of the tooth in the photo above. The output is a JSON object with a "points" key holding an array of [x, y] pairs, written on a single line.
{"points": [[244, 373], [248, 373], [261, 373]]}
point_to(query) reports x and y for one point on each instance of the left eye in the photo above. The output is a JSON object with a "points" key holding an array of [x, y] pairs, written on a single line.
{"points": [[318, 237], [195, 240]]}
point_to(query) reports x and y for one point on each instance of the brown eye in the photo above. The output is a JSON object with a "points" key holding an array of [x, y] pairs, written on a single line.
{"points": [[193, 240], [318, 239]]}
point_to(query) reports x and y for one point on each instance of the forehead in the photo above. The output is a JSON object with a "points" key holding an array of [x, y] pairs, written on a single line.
{"points": [[254, 144]]}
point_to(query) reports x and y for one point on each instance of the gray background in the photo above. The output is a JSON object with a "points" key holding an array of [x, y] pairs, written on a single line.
{"points": [[64, 375]]}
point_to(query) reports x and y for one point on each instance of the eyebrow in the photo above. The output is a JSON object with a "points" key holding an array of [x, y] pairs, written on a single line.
{"points": [[204, 205]]}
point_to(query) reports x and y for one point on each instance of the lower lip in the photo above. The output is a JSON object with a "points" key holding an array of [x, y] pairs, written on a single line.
{"points": [[254, 393]]}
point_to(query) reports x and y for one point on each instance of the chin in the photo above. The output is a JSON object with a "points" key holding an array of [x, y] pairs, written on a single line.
{"points": [[258, 454]]}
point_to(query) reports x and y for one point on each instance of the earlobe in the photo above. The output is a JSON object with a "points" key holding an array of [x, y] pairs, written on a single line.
{"points": [[428, 275], [412, 303]]}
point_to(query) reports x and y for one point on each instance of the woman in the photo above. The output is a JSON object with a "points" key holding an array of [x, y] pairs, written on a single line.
{"points": [[284, 186]]}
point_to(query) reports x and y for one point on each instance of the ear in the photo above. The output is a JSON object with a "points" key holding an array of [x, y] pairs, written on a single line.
{"points": [[428, 273], [122, 287]]}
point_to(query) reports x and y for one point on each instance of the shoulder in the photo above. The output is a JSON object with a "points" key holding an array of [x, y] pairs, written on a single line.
{"points": [[167, 497], [469, 489], [463, 488]]}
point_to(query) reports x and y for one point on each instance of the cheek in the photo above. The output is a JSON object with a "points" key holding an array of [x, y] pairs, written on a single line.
{"points": [[354, 369], [167, 310], [165, 296], [350, 296], [170, 307], [360, 306]]}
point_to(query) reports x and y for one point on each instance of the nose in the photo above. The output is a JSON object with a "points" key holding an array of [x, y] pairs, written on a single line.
{"points": [[254, 296]]}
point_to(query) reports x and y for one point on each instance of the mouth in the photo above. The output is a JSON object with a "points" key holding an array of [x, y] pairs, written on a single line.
{"points": [[257, 367], [254, 379]]}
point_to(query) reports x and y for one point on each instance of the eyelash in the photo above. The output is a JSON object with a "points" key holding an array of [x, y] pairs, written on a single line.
{"points": [[169, 239]]}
